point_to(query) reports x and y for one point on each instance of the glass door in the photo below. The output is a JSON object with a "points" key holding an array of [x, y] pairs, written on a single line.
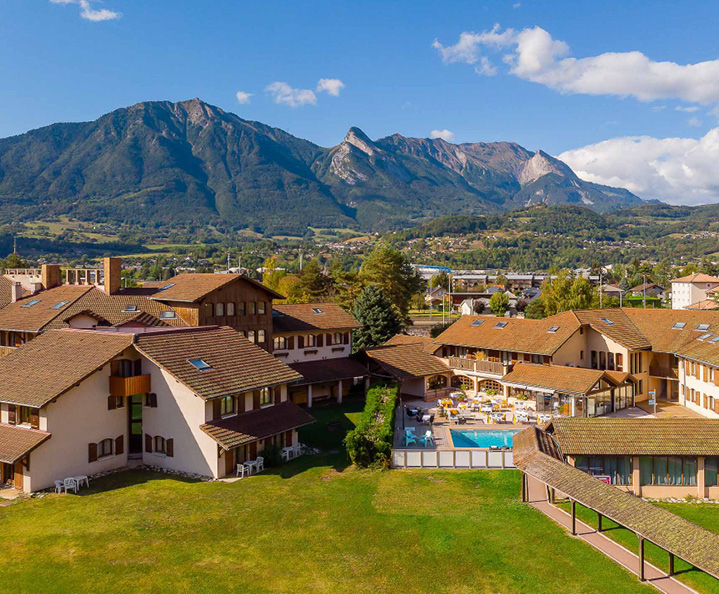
{"points": [[135, 416]]}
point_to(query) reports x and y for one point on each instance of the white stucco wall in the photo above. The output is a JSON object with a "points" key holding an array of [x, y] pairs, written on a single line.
{"points": [[687, 382], [296, 355]]}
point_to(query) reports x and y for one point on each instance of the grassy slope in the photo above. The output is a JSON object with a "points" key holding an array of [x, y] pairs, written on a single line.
{"points": [[704, 515], [312, 526]]}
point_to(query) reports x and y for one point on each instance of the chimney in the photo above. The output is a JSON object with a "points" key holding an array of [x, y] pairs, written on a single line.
{"points": [[15, 292], [51, 276], [113, 275]]}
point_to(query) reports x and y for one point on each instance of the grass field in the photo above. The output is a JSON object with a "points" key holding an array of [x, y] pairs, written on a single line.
{"points": [[705, 515], [312, 525]]}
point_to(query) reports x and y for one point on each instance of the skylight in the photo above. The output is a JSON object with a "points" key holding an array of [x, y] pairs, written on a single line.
{"points": [[130, 308], [200, 365], [607, 321], [60, 304], [317, 310], [715, 339], [167, 286], [553, 330], [679, 326], [476, 323], [704, 336], [702, 328], [167, 315], [31, 303], [500, 325]]}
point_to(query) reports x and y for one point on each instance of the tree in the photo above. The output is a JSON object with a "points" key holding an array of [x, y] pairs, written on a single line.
{"points": [[437, 329], [499, 303], [502, 280], [290, 286], [314, 282], [347, 285], [391, 270], [439, 280], [379, 318], [624, 284], [271, 276], [535, 310], [567, 292]]}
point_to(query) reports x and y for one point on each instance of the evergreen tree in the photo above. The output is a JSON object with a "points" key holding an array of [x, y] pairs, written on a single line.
{"points": [[314, 282], [499, 303], [379, 318], [624, 284]]}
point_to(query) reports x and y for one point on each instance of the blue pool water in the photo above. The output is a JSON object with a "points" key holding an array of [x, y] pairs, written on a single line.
{"points": [[481, 439]]}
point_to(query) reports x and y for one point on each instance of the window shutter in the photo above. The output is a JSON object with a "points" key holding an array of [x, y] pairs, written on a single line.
{"points": [[35, 418], [114, 368], [111, 402], [329, 340], [148, 443], [320, 340], [291, 342], [255, 400], [300, 342], [277, 394], [170, 448], [216, 409], [347, 337], [153, 400], [120, 445], [241, 403], [11, 414], [92, 452]]}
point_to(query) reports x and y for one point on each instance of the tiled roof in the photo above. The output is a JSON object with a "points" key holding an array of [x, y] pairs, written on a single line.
{"points": [[701, 350], [54, 362], [257, 424], [645, 286], [16, 442], [117, 308], [637, 437], [428, 344], [192, 287], [143, 318], [406, 361], [705, 305], [300, 317], [676, 535], [6, 291], [518, 335], [555, 377], [18, 316], [237, 365], [657, 326], [620, 328], [329, 370], [699, 277]]}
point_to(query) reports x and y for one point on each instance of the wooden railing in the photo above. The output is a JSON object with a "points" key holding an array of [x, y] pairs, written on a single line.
{"points": [[6, 350], [668, 372], [493, 367], [128, 386]]}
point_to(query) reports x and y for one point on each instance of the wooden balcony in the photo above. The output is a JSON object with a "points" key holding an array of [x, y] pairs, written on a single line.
{"points": [[6, 350], [128, 386], [665, 372], [489, 367]]}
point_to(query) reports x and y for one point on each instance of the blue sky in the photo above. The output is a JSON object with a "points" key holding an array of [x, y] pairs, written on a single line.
{"points": [[72, 60]]}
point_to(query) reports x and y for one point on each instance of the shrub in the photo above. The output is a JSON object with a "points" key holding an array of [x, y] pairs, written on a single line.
{"points": [[369, 444], [272, 455]]}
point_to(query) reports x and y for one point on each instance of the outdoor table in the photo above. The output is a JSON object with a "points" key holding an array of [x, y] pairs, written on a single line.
{"points": [[288, 452], [82, 479]]}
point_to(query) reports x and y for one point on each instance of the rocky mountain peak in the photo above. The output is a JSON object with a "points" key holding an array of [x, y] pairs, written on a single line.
{"points": [[542, 164], [360, 140]]}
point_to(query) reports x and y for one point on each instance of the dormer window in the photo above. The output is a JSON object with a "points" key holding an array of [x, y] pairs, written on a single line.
{"points": [[553, 330], [500, 325], [200, 364], [679, 326], [702, 328], [130, 309], [31, 303], [477, 323]]}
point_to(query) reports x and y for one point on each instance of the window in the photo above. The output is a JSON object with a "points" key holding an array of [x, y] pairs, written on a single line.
{"points": [[701, 328], [602, 360], [227, 405], [668, 470], [167, 315], [104, 448], [129, 309], [617, 468], [265, 397], [241, 308], [251, 308], [60, 304], [477, 323], [261, 336], [317, 311], [31, 303], [167, 286], [251, 335], [219, 309], [620, 362], [711, 472], [553, 330], [594, 360], [610, 361], [261, 307], [310, 340], [230, 309], [209, 310], [24, 415], [337, 338], [500, 325], [704, 336], [679, 326], [715, 339], [581, 355], [200, 365], [159, 445], [280, 343], [607, 321]]}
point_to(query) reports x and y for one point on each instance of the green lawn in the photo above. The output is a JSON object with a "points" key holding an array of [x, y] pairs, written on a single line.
{"points": [[312, 525], [706, 515]]}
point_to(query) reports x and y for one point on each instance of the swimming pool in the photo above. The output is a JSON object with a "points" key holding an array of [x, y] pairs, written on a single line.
{"points": [[481, 439]]}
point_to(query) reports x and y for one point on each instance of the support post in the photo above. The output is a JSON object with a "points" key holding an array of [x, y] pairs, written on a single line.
{"points": [[599, 522], [641, 559], [339, 392], [524, 488], [309, 396], [574, 517], [671, 563], [553, 495]]}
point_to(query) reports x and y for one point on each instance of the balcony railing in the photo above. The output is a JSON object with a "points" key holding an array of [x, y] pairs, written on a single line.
{"points": [[491, 367], [665, 372], [129, 386], [6, 350]]}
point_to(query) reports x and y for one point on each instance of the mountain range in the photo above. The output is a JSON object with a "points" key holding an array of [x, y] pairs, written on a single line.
{"points": [[191, 163]]}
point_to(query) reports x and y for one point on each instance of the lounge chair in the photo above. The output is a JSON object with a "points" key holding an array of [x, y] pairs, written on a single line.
{"points": [[427, 439], [409, 437]]}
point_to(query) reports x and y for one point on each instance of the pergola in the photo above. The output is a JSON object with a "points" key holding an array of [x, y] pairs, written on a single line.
{"points": [[536, 454]]}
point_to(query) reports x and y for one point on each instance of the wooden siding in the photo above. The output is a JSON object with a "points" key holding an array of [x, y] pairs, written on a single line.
{"points": [[128, 386]]}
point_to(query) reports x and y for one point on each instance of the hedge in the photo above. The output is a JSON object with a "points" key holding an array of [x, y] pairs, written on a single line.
{"points": [[369, 444]]}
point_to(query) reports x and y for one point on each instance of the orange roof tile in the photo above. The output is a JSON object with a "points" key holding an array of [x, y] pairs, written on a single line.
{"points": [[301, 317], [193, 287]]}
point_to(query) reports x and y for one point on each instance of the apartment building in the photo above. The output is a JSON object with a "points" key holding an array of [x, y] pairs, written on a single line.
{"points": [[197, 400], [690, 290]]}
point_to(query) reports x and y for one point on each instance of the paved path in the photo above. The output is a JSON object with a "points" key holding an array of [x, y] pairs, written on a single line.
{"points": [[613, 550]]}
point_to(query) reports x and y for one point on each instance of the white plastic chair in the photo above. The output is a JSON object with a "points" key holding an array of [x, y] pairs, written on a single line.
{"points": [[260, 463], [242, 470], [58, 486], [70, 483]]}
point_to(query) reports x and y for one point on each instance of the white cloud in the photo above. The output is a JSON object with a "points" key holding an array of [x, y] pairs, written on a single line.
{"points": [[284, 93], [445, 134], [687, 108], [694, 122], [242, 97], [485, 67], [89, 13], [532, 54], [674, 170], [333, 86]]}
